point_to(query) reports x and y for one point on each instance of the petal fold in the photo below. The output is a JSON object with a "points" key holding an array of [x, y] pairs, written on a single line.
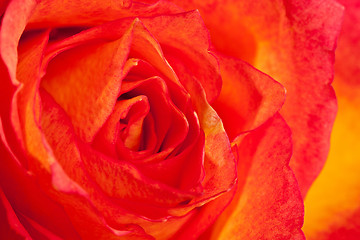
{"points": [[248, 97], [10, 227]]}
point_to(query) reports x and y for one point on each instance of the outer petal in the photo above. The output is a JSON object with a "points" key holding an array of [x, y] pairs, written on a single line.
{"points": [[38, 206], [10, 226], [332, 204], [347, 68], [90, 13], [294, 42], [204, 217], [268, 204], [16, 183], [13, 24]]}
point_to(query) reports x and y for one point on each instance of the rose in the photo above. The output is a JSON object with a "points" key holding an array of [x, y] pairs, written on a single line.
{"points": [[75, 176], [121, 146], [334, 198]]}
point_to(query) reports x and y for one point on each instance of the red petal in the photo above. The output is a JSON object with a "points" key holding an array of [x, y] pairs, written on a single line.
{"points": [[347, 68], [12, 27], [170, 124], [23, 186], [188, 50], [132, 113], [332, 204], [10, 226], [268, 204], [204, 217], [85, 13], [89, 82], [143, 45], [107, 140], [134, 120], [38, 206], [219, 162], [248, 97], [31, 51], [13, 24], [185, 169]]}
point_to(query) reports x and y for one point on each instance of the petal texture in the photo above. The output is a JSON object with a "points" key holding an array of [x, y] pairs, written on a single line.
{"points": [[268, 204], [248, 97], [333, 209], [293, 42]]}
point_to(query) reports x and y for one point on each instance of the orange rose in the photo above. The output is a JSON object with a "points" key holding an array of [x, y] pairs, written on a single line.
{"points": [[120, 120]]}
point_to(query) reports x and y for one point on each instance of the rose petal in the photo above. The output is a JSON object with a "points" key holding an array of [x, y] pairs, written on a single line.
{"points": [[134, 120], [219, 162], [12, 27], [10, 227], [36, 231], [85, 13], [24, 186], [13, 24], [332, 204], [170, 124], [128, 111], [114, 176], [144, 70], [347, 68], [28, 73], [107, 140], [143, 45], [89, 82], [26, 99], [204, 217], [311, 127], [248, 97], [268, 204], [90, 223], [188, 51], [293, 42]]}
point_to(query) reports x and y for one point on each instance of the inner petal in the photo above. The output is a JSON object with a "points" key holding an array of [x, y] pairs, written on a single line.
{"points": [[130, 123], [147, 146], [89, 82], [171, 124], [131, 132]]}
